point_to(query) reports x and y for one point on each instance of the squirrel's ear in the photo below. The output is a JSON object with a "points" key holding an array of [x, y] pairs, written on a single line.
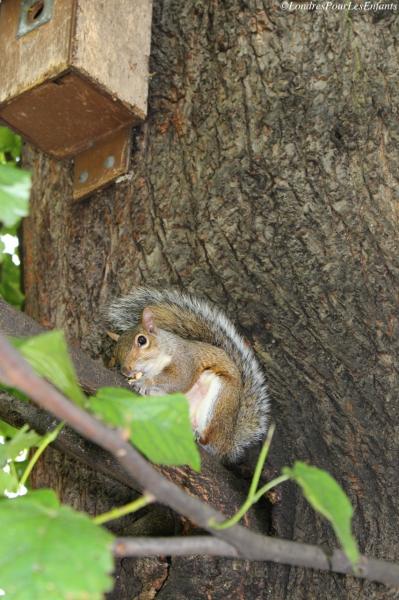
{"points": [[148, 320], [113, 336]]}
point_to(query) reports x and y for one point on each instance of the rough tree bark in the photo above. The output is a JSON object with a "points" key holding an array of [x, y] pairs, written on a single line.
{"points": [[264, 179]]}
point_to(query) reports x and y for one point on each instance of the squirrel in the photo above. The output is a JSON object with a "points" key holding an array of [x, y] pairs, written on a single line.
{"points": [[175, 342]]}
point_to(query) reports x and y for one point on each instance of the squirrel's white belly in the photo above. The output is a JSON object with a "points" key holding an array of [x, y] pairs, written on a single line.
{"points": [[202, 398]]}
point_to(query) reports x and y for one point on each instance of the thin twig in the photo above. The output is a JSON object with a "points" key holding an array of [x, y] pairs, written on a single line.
{"points": [[261, 461], [46, 441], [121, 511], [249, 502], [253, 495]]}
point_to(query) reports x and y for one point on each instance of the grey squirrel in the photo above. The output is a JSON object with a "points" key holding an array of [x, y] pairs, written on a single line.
{"points": [[175, 342]]}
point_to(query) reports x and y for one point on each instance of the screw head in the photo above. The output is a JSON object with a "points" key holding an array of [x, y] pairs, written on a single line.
{"points": [[109, 162], [83, 176]]}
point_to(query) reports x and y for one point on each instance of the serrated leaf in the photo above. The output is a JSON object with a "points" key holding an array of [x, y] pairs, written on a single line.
{"points": [[22, 440], [48, 354], [52, 552], [328, 498], [14, 194], [159, 425]]}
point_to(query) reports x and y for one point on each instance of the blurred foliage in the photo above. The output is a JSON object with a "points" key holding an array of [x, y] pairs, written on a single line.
{"points": [[15, 186]]}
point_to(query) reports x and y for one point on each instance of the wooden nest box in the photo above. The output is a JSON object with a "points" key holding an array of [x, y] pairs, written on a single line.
{"points": [[74, 79]]}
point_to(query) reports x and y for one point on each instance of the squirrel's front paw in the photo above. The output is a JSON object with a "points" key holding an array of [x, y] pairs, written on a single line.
{"points": [[140, 388], [146, 389], [152, 390]]}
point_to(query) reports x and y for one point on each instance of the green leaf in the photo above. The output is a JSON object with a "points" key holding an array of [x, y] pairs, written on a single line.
{"points": [[10, 281], [20, 467], [43, 497], [6, 430], [22, 440], [159, 426], [10, 230], [51, 552], [8, 482], [13, 392], [14, 194], [10, 142], [329, 499], [48, 355]]}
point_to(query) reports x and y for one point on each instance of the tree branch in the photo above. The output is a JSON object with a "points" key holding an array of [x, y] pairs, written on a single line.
{"points": [[173, 546], [16, 372], [377, 570]]}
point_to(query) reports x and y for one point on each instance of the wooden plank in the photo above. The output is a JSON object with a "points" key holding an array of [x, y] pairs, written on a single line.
{"points": [[64, 117], [100, 165], [36, 56], [112, 46]]}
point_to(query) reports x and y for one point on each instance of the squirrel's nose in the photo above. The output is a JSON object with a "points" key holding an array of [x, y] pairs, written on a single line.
{"points": [[126, 372]]}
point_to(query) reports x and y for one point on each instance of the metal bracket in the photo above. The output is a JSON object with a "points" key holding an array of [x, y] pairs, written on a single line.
{"points": [[105, 161], [33, 14]]}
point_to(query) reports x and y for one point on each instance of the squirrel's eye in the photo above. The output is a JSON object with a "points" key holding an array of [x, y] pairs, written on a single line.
{"points": [[141, 340]]}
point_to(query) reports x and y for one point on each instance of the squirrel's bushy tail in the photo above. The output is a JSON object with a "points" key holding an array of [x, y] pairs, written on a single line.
{"points": [[196, 319]]}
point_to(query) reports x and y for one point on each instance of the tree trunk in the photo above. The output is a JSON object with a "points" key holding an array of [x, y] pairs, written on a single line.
{"points": [[264, 179]]}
